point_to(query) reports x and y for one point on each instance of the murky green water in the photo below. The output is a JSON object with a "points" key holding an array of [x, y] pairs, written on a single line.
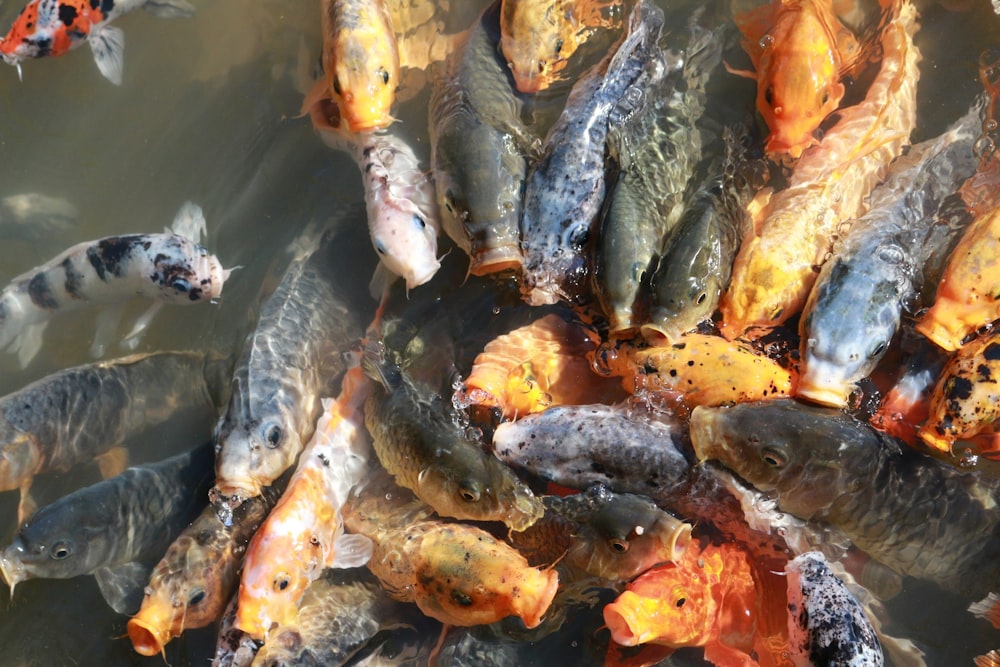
{"points": [[206, 113]]}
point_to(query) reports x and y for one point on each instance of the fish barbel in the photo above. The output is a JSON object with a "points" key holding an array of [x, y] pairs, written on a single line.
{"points": [[305, 532], [112, 528], [72, 416], [566, 186], [478, 149], [288, 361], [917, 516], [191, 585], [426, 452], [538, 37], [775, 267], [858, 300]]}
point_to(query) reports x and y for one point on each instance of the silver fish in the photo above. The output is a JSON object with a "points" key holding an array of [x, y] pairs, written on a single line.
{"points": [[112, 529], [856, 304], [566, 187], [916, 515], [291, 359], [72, 416], [478, 149]]}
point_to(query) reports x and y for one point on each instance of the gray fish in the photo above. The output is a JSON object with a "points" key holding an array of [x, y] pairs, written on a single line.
{"points": [[112, 529], [291, 359], [826, 622], [34, 217], [478, 149], [566, 187], [914, 514], [856, 305], [72, 416], [653, 139]]}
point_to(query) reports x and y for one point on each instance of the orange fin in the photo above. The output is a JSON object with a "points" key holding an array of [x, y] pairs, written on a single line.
{"points": [[988, 608], [991, 659], [112, 462]]}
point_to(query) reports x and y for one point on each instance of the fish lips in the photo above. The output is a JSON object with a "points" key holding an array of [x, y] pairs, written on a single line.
{"points": [[12, 568]]}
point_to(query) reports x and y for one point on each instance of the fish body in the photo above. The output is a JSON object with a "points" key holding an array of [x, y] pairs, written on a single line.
{"points": [[917, 516], [566, 186], [74, 415], [478, 149], [604, 534], [800, 51], [54, 27], [360, 61], [456, 573], [403, 219], [168, 268], [233, 647], [110, 528], [287, 362], [968, 296], [191, 585], [904, 407], [775, 267], [538, 37], [305, 532], [426, 452], [857, 302], [653, 139]]}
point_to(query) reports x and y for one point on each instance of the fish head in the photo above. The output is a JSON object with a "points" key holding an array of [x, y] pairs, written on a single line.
{"points": [[625, 536], [537, 48], [251, 453], [807, 456], [406, 242], [20, 457], [60, 541]]}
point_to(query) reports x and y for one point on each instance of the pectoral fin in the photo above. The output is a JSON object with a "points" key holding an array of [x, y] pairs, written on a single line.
{"points": [[170, 9], [123, 585], [351, 550], [108, 45], [28, 342], [112, 462], [27, 506]]}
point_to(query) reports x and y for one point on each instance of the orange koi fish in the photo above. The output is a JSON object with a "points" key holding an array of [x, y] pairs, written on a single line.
{"points": [[54, 27], [800, 51], [305, 532], [968, 296], [776, 266], [538, 37], [534, 367], [700, 369]]}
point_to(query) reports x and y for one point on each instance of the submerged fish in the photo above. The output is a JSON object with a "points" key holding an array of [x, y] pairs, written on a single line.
{"points": [[304, 534], [478, 149], [859, 297], [191, 585], [53, 27], [77, 414], [603, 534], [538, 37], [566, 186], [288, 361], [455, 573], [112, 529], [425, 451], [233, 647], [920, 517], [35, 217], [168, 268]]}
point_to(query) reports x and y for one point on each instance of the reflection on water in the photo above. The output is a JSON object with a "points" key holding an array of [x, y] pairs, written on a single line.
{"points": [[207, 113]]}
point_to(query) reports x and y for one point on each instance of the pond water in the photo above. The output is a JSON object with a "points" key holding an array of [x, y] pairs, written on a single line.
{"points": [[207, 113]]}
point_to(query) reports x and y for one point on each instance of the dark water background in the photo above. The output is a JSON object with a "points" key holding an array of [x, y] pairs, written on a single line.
{"points": [[206, 114]]}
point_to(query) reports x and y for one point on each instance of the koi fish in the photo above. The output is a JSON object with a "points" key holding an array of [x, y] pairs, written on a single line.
{"points": [[305, 532], [538, 37], [534, 367], [53, 27], [110, 529], [800, 52], [168, 268], [775, 267], [701, 369], [233, 647], [456, 573]]}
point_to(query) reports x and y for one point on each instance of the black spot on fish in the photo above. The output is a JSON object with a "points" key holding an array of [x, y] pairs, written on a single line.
{"points": [[94, 4], [983, 371], [41, 293], [958, 389], [43, 44], [109, 256], [74, 279], [992, 352], [67, 14], [107, 6]]}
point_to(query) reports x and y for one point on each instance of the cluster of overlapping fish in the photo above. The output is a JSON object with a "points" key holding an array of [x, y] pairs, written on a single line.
{"points": [[635, 277]]}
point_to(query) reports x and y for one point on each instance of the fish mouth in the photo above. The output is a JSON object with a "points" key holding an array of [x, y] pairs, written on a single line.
{"points": [[227, 497], [822, 384], [495, 260], [150, 635], [676, 540], [624, 623], [659, 335], [533, 602], [706, 440], [12, 570]]}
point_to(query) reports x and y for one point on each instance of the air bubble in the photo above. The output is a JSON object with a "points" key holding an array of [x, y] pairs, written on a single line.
{"points": [[766, 42], [890, 254]]}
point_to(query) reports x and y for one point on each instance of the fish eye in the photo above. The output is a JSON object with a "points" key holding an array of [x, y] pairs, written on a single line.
{"points": [[272, 436], [196, 597], [701, 298], [826, 97], [769, 96], [181, 285], [419, 222], [773, 457], [541, 66], [384, 74], [281, 582], [380, 247], [878, 349], [680, 602], [61, 550], [461, 598], [620, 546], [559, 45], [336, 85], [469, 492]]}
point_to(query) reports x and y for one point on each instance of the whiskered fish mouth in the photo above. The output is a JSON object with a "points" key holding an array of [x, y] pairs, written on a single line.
{"points": [[12, 570]]}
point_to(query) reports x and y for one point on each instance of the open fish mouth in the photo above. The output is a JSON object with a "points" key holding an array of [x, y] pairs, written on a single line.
{"points": [[12, 570]]}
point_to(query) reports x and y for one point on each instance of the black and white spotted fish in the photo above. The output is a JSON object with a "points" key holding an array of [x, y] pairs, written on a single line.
{"points": [[53, 27], [166, 267]]}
